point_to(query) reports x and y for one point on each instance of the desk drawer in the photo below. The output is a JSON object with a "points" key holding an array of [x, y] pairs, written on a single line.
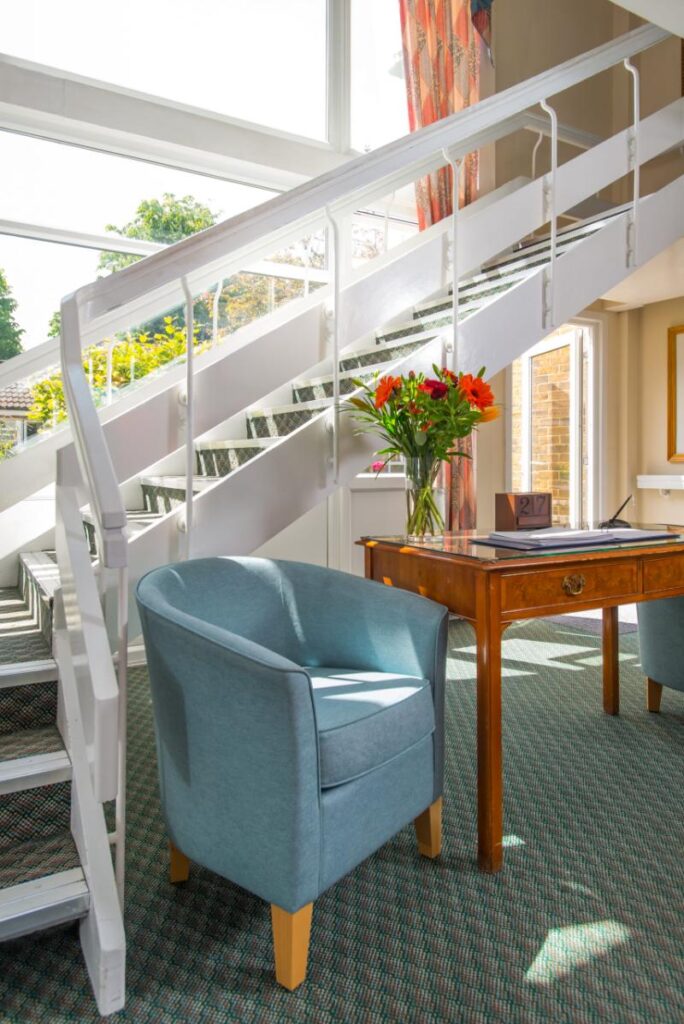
{"points": [[666, 573], [563, 588]]}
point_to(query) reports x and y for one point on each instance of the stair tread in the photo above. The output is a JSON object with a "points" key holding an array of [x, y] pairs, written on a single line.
{"points": [[37, 858], [176, 480], [28, 742], [20, 673], [20, 638], [243, 442]]}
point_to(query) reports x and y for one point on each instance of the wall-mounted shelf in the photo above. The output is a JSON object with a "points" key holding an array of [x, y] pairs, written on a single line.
{"points": [[661, 482]]}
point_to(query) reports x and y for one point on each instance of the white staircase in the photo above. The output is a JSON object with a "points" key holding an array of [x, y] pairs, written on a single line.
{"points": [[217, 454]]}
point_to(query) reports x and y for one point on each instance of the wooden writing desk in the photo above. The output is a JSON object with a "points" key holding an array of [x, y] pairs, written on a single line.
{"points": [[492, 587]]}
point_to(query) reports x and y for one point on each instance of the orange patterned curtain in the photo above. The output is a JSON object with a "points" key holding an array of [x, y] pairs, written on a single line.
{"points": [[442, 66]]}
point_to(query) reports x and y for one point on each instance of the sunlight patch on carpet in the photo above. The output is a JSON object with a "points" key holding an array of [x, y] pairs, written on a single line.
{"points": [[566, 949]]}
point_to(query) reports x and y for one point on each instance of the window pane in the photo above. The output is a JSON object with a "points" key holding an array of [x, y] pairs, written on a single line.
{"points": [[379, 106], [43, 183], [40, 274], [261, 61]]}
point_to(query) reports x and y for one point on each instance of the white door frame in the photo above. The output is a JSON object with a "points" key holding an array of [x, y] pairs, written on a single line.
{"points": [[586, 331]]}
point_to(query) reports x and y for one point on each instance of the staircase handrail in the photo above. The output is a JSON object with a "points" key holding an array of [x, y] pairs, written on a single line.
{"points": [[459, 133]]}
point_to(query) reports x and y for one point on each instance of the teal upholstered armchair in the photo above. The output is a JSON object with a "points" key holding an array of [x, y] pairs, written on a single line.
{"points": [[661, 641], [299, 722]]}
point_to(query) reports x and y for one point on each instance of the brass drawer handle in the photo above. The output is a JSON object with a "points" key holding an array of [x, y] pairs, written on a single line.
{"points": [[573, 585]]}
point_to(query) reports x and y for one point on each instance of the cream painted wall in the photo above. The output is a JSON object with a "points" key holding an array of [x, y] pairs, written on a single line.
{"points": [[491, 457], [650, 356], [530, 36]]}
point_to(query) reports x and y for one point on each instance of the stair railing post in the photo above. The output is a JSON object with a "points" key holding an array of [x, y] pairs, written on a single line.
{"points": [[535, 150], [215, 313], [451, 347], [189, 418], [388, 204], [633, 156], [110, 366], [335, 252], [122, 680], [549, 214]]}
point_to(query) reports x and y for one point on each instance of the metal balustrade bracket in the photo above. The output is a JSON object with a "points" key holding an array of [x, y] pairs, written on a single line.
{"points": [[549, 202], [181, 523], [336, 259], [452, 256], [632, 232], [535, 150], [189, 424]]}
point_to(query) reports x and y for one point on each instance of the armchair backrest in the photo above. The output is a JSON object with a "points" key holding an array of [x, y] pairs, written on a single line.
{"points": [[235, 726]]}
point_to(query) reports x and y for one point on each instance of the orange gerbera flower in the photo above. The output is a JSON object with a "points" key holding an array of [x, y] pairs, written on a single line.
{"points": [[476, 391], [386, 386]]}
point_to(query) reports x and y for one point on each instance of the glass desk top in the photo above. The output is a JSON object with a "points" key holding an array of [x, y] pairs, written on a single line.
{"points": [[461, 544]]}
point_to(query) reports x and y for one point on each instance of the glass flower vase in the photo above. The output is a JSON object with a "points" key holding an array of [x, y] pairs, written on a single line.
{"points": [[425, 498]]}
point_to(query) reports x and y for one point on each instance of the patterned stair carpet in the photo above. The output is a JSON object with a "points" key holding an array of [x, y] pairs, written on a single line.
{"points": [[20, 635], [584, 924]]}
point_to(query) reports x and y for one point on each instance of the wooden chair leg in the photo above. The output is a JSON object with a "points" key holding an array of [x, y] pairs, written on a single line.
{"points": [[654, 692], [291, 933], [428, 827], [179, 865]]}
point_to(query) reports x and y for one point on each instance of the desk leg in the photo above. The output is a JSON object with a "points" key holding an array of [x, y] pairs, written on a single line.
{"points": [[489, 746], [611, 665]]}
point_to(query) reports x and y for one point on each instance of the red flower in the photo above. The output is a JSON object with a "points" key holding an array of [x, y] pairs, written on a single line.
{"points": [[384, 390], [434, 388], [476, 391], [453, 377]]}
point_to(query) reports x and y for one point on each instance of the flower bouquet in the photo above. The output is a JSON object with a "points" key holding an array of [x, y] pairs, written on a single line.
{"points": [[421, 420]]}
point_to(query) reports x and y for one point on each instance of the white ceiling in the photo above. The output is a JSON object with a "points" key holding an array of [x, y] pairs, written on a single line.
{"points": [[662, 278], [668, 14]]}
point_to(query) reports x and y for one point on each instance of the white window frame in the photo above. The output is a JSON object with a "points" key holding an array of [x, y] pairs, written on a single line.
{"points": [[90, 114]]}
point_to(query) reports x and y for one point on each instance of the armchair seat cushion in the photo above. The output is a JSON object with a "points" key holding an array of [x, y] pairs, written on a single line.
{"points": [[365, 718]]}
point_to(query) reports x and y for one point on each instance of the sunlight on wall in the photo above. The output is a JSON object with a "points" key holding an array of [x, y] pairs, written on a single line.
{"points": [[567, 948]]}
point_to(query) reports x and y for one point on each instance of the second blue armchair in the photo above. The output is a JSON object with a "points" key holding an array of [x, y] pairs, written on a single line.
{"points": [[299, 716]]}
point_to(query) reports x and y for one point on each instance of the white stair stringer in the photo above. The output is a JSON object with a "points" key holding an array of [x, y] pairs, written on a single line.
{"points": [[238, 513], [585, 272], [102, 932], [376, 293], [243, 510]]}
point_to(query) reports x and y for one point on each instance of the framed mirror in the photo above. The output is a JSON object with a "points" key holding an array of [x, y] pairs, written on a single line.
{"points": [[675, 394]]}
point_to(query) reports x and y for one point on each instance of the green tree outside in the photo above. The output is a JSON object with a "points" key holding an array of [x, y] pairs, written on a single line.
{"points": [[10, 331], [166, 220]]}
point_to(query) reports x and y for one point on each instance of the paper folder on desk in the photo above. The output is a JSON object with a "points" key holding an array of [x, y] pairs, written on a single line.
{"points": [[554, 537]]}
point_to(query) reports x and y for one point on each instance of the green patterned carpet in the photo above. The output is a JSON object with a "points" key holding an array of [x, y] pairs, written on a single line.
{"points": [[584, 924]]}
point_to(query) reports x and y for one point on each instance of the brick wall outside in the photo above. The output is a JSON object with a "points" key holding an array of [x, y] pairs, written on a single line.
{"points": [[550, 428]]}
